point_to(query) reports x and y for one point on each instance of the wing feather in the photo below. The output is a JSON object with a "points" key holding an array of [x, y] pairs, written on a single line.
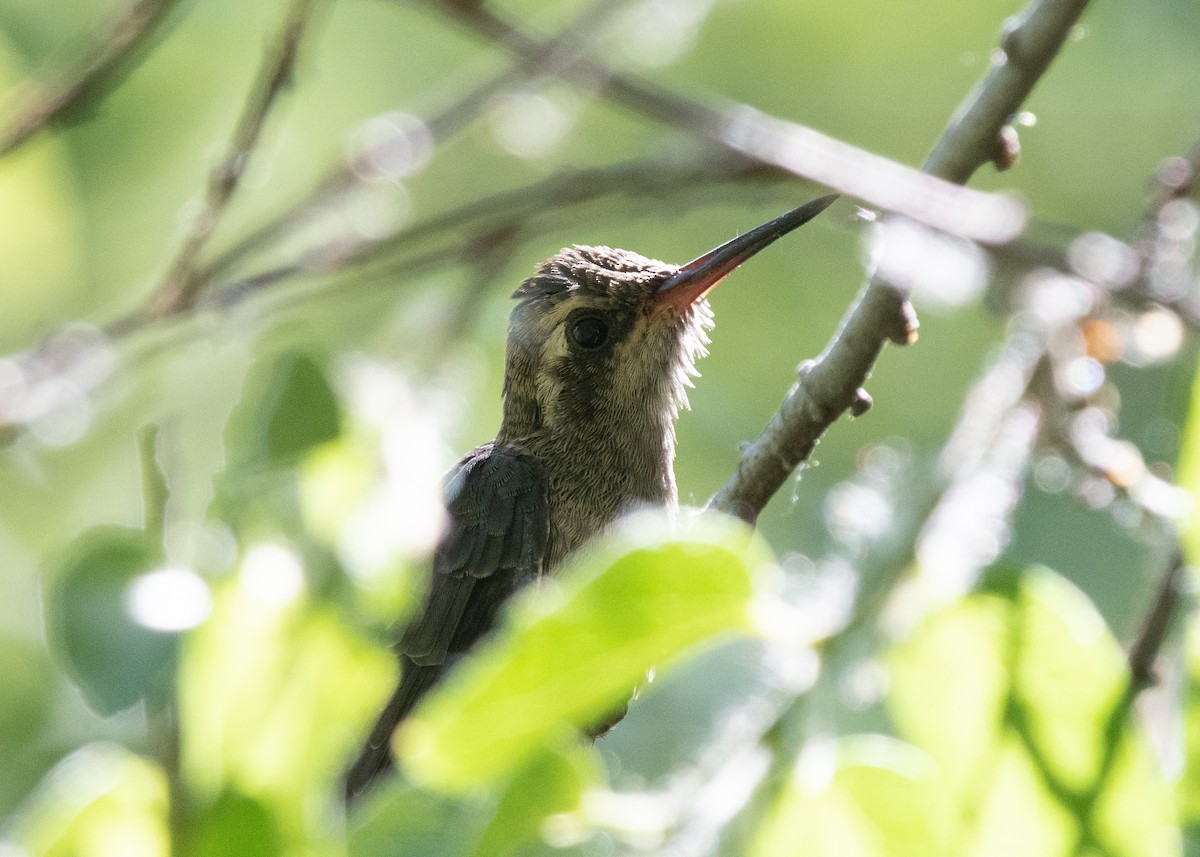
{"points": [[496, 500]]}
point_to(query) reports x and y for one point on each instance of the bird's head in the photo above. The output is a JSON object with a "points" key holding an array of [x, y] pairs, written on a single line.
{"points": [[605, 338]]}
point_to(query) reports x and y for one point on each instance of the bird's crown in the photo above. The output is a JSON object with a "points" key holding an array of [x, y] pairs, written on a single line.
{"points": [[595, 271]]}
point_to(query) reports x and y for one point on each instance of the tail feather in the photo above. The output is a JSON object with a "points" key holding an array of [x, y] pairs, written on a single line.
{"points": [[375, 758]]}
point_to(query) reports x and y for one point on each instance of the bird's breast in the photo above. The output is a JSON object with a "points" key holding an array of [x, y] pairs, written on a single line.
{"points": [[588, 489]]}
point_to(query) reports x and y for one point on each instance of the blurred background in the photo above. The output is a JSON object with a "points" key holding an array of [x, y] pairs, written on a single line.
{"points": [[334, 366]]}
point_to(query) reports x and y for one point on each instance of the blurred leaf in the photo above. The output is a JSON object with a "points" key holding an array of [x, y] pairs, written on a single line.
{"points": [[40, 234], [288, 408], [552, 782], [27, 685], [573, 649], [26, 698], [274, 693], [1189, 783], [399, 819], [115, 661], [1017, 692], [1188, 475], [237, 824], [863, 796], [335, 481], [100, 800]]}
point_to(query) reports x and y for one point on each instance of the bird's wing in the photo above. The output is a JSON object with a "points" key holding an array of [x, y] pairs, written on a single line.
{"points": [[495, 543]]}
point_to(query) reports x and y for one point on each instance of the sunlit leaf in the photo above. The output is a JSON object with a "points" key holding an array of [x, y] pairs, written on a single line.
{"points": [[861, 796], [1189, 784], [552, 782], [100, 800], [400, 819], [572, 651], [1018, 693], [274, 692], [237, 824], [1188, 475], [116, 661]]}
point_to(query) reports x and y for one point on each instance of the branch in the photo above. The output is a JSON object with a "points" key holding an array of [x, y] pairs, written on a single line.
{"points": [[179, 288], [879, 181], [979, 127], [104, 60], [87, 358], [833, 382], [820, 396], [563, 50], [155, 492], [457, 235], [1153, 631]]}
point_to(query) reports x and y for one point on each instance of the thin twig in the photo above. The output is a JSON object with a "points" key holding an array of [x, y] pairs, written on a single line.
{"points": [[105, 59], [180, 286], [434, 240], [854, 347], [442, 241], [154, 485], [863, 175], [166, 746], [440, 126], [1153, 631]]}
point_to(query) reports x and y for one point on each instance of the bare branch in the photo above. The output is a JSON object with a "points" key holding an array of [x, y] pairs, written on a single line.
{"points": [[180, 286], [456, 235], [820, 396], [1153, 631], [842, 369], [443, 123], [878, 181], [106, 58], [1028, 43]]}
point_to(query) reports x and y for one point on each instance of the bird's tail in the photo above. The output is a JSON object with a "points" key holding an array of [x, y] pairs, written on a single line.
{"points": [[375, 758]]}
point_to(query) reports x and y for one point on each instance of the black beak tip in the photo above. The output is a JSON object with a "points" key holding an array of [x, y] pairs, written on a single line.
{"points": [[703, 272]]}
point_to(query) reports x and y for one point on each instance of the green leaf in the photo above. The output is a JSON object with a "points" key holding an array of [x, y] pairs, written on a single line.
{"points": [[399, 819], [26, 698], [288, 408], [115, 661], [1189, 784], [274, 694], [27, 688], [237, 824], [1188, 475], [572, 649], [552, 782], [859, 796], [1019, 694], [102, 799]]}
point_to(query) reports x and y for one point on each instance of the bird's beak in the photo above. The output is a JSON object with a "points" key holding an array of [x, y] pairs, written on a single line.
{"points": [[697, 278]]}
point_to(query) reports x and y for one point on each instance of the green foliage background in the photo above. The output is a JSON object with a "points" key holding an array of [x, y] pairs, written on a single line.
{"points": [[995, 729]]}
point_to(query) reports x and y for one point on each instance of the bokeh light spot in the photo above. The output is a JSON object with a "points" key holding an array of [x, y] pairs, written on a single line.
{"points": [[273, 574], [1083, 376], [170, 599]]}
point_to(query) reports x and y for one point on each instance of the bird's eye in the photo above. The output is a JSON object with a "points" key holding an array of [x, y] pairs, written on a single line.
{"points": [[589, 332]]}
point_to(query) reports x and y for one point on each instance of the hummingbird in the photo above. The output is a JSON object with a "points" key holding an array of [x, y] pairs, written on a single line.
{"points": [[602, 345]]}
